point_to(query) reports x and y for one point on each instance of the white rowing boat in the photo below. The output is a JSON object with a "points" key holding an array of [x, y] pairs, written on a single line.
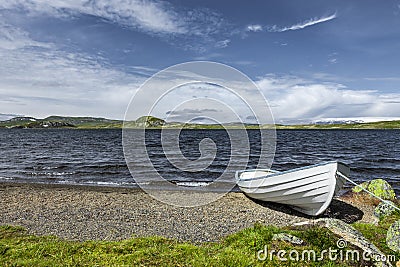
{"points": [[309, 189]]}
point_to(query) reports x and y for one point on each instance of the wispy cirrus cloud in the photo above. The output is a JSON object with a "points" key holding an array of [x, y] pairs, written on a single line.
{"points": [[12, 38], [154, 17], [391, 79], [303, 24], [223, 43], [297, 26]]}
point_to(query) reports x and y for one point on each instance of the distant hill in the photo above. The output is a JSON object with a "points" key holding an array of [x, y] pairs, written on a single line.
{"points": [[149, 121], [156, 123], [60, 122], [87, 122]]}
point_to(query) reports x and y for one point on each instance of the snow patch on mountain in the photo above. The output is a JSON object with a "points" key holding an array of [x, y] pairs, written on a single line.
{"points": [[353, 120]]}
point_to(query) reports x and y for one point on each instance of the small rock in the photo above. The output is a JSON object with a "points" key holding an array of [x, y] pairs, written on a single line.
{"points": [[393, 236], [384, 209], [288, 238], [379, 187]]}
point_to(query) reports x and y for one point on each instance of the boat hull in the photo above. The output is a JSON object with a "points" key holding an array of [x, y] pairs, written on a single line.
{"points": [[309, 190]]}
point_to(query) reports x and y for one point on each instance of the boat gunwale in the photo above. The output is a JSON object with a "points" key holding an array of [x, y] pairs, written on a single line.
{"points": [[286, 182], [276, 173]]}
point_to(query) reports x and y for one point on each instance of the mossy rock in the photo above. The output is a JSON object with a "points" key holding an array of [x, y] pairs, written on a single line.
{"points": [[393, 236], [384, 209], [379, 187]]}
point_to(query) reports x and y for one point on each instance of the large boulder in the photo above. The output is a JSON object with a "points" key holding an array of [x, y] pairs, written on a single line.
{"points": [[393, 236], [384, 209], [379, 187], [350, 235]]}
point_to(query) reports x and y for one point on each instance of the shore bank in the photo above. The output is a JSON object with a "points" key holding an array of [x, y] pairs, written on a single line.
{"points": [[112, 213]]}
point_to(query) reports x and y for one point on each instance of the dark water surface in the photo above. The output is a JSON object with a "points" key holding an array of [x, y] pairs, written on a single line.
{"points": [[95, 157]]}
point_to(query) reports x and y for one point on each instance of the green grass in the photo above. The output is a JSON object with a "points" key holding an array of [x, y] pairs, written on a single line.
{"points": [[377, 233], [17, 248]]}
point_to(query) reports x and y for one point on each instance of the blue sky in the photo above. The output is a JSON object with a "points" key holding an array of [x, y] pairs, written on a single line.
{"points": [[311, 59]]}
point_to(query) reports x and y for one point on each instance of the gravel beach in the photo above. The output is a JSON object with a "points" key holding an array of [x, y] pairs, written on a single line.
{"points": [[110, 213]]}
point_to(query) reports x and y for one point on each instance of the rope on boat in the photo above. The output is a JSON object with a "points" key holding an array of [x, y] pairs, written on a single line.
{"points": [[372, 194]]}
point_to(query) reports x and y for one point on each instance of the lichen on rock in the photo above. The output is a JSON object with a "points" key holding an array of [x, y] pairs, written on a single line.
{"points": [[378, 187], [393, 236], [384, 209]]}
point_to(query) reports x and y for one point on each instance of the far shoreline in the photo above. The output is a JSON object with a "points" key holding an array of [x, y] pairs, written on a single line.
{"points": [[278, 128], [150, 122]]}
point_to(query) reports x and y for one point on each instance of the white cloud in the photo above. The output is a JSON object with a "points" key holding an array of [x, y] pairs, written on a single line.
{"points": [[294, 99], [148, 15], [333, 60], [15, 38], [254, 28], [153, 16], [39, 80], [197, 29], [302, 25], [384, 79], [222, 44]]}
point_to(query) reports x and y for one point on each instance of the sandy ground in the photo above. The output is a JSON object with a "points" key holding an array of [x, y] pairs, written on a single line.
{"points": [[104, 213]]}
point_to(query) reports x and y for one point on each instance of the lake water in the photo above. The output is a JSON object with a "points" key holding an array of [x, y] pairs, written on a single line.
{"points": [[95, 157]]}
